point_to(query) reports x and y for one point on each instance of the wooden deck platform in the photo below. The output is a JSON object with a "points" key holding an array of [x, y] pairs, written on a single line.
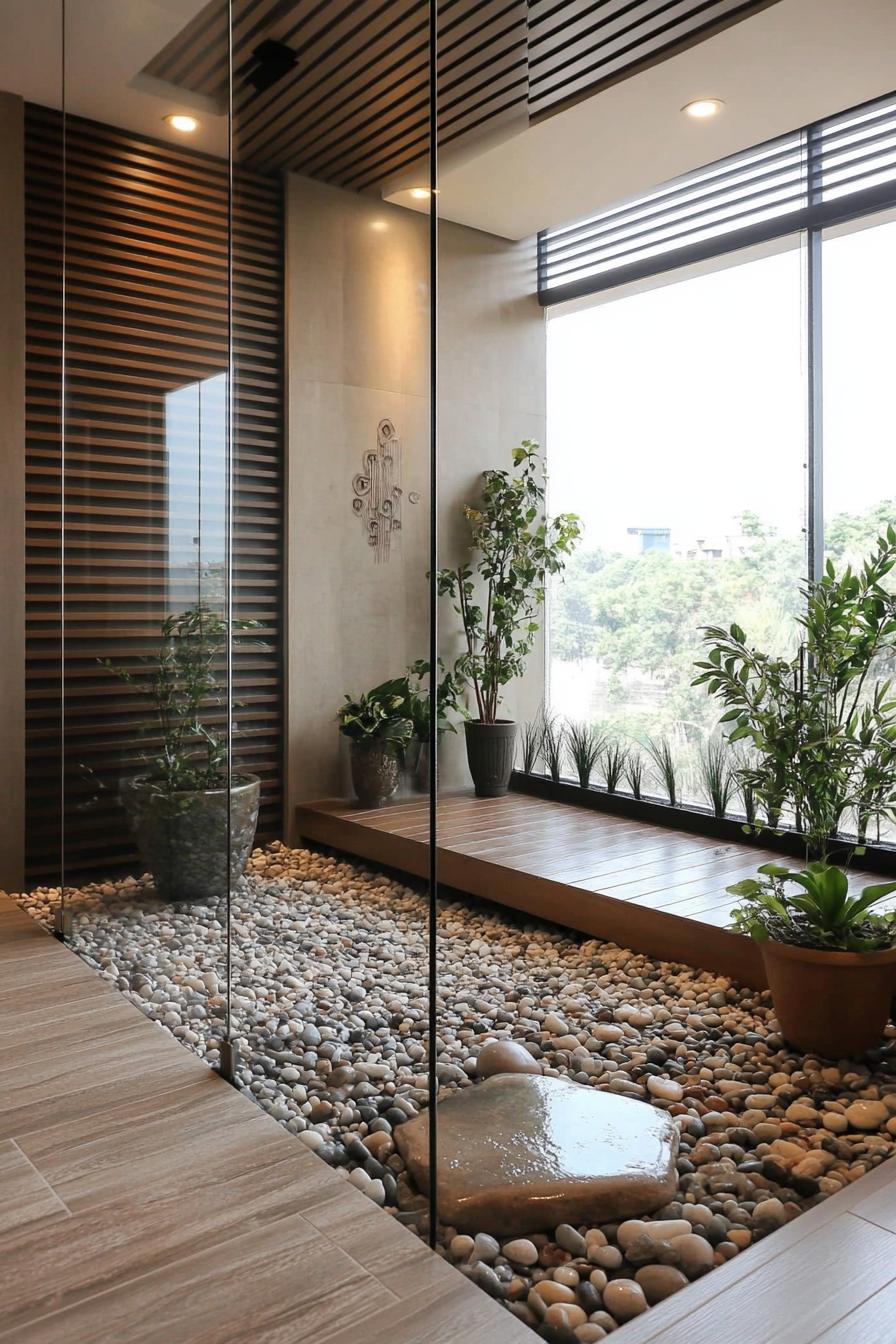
{"points": [[646, 887]]}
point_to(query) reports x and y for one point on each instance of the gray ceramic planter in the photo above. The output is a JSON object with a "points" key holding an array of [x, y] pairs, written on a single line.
{"points": [[491, 748], [182, 837], [376, 770]]}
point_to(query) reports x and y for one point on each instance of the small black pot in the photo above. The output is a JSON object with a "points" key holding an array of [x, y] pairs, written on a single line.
{"points": [[376, 770], [491, 748]]}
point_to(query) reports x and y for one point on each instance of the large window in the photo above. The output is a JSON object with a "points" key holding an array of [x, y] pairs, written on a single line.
{"points": [[720, 373], [676, 430], [859, 365]]}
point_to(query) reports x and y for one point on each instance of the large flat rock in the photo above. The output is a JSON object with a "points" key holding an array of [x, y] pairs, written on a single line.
{"points": [[519, 1153]]}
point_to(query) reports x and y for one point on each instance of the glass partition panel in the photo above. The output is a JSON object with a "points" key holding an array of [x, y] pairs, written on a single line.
{"points": [[331, 308], [145, 534]]}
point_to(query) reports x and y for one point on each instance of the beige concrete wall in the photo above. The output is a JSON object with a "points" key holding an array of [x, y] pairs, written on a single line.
{"points": [[12, 493], [358, 308]]}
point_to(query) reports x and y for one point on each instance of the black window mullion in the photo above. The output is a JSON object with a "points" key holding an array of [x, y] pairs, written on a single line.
{"points": [[814, 376]]}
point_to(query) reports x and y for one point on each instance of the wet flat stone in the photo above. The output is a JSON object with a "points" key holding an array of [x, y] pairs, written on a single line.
{"points": [[520, 1153]]}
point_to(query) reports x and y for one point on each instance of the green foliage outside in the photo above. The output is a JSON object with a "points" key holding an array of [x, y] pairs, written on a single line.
{"points": [[636, 621]]}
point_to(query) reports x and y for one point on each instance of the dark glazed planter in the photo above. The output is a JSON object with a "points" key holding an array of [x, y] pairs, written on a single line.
{"points": [[182, 837], [376, 770], [833, 1004], [491, 748]]}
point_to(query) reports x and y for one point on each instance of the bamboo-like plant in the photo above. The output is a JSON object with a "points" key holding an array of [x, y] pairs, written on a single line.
{"points": [[184, 684], [634, 771], [584, 749], [660, 752], [516, 547], [716, 774], [822, 729], [553, 745], [613, 763], [531, 744]]}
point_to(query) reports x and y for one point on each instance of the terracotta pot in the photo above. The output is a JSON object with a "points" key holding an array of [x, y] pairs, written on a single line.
{"points": [[491, 748], [376, 770], [834, 1004]]}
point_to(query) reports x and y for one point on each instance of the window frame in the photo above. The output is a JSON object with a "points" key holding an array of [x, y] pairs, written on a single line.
{"points": [[804, 227]]}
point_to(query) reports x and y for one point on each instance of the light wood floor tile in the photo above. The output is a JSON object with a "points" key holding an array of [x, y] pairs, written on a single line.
{"points": [[874, 1322], [184, 1214], [25, 1197]]}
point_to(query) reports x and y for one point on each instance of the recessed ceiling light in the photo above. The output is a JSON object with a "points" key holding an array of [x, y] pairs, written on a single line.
{"points": [[421, 193], [701, 108], [179, 121]]}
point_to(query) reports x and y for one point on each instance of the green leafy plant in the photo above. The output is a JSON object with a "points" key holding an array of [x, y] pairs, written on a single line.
{"points": [[530, 739], [613, 762], [716, 774], [449, 693], [660, 752], [516, 546], [821, 914], [821, 724], [183, 682], [585, 745], [553, 745], [380, 715], [634, 771]]}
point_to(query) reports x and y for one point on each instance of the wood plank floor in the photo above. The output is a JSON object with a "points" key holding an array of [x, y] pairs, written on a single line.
{"points": [[144, 1200], [650, 888]]}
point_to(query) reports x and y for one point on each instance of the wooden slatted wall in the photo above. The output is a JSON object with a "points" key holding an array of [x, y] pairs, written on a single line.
{"points": [[146, 315]]}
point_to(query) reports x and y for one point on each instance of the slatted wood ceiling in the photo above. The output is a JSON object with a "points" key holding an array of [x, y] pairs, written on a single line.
{"points": [[146, 313], [354, 111]]}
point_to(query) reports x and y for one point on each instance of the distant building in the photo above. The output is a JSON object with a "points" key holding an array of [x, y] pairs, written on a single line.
{"points": [[651, 539]]}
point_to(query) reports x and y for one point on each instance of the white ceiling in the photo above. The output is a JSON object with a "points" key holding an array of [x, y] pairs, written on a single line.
{"points": [[790, 64], [108, 42], [781, 69]]}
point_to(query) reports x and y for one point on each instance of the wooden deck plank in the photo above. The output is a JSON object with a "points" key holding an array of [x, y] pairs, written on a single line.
{"points": [[652, 888], [606, 876]]}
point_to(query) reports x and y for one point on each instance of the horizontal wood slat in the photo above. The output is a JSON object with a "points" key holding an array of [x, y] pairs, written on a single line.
{"points": [[354, 110], [144, 313]]}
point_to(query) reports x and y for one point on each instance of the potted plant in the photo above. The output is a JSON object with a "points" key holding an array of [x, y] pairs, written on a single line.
{"points": [[178, 808], [448, 699], [821, 726], [378, 728], [830, 961], [515, 547]]}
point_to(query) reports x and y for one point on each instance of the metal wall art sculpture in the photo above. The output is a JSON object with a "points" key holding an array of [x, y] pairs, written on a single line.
{"points": [[377, 490]]}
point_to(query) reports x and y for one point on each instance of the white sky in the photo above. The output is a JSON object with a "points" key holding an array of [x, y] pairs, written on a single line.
{"points": [[684, 405]]}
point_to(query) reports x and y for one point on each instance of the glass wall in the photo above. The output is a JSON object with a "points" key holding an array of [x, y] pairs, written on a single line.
{"points": [[676, 420], [859, 289]]}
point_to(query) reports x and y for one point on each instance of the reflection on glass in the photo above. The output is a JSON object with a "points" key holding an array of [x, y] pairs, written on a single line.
{"points": [[676, 432], [195, 445]]}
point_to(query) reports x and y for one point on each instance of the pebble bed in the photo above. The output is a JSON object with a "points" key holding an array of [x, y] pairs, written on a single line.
{"points": [[329, 997]]}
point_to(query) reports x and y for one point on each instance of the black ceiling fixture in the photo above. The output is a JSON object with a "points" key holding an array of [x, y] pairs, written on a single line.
{"points": [[270, 62]]}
